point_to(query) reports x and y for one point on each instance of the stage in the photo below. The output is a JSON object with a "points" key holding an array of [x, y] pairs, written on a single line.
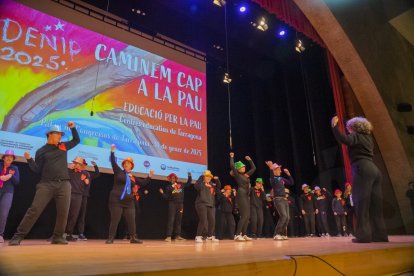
{"points": [[263, 256]]}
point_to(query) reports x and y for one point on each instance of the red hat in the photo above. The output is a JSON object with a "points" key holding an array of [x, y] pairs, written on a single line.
{"points": [[348, 184], [337, 191], [227, 187], [171, 175]]}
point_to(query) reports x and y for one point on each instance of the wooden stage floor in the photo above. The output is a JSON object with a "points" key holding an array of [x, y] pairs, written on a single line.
{"points": [[263, 256]]}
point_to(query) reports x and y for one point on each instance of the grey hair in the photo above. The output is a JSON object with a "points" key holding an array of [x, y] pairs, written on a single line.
{"points": [[360, 125]]}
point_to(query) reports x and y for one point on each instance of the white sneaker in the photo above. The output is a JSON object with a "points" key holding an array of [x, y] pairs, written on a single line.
{"points": [[239, 238], [212, 238], [278, 237], [246, 238], [285, 237], [199, 239]]}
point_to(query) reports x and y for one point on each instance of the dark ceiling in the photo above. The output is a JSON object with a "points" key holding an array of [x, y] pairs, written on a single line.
{"points": [[200, 24]]}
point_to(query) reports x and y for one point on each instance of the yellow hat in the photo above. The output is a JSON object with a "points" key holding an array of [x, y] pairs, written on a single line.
{"points": [[208, 173], [129, 159]]}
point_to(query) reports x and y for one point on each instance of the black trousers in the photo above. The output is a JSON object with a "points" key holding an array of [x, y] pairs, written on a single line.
{"points": [[45, 191], [206, 220], [340, 221], [322, 220], [227, 225], [256, 220], [350, 220], [243, 203], [175, 216], [127, 210], [74, 210], [309, 220], [367, 196], [82, 215]]}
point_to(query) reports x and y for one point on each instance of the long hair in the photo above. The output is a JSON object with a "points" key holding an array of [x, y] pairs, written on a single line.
{"points": [[360, 125]]}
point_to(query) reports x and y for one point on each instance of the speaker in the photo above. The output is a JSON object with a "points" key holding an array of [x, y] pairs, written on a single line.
{"points": [[410, 129], [404, 107]]}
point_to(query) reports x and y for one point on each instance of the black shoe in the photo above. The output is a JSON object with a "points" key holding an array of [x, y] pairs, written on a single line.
{"points": [[359, 241], [15, 241], [135, 240], [109, 241], [71, 238], [381, 240], [82, 237], [59, 241]]}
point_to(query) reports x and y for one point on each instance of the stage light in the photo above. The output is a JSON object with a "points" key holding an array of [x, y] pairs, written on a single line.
{"points": [[242, 9], [281, 33], [227, 78], [262, 25], [219, 3], [299, 47]]}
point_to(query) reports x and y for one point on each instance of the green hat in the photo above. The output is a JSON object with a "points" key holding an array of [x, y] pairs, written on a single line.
{"points": [[238, 165], [259, 180]]}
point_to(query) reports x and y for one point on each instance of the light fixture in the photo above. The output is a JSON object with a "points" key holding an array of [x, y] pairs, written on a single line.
{"points": [[242, 9], [299, 47], [281, 33], [227, 78], [219, 3], [262, 25]]}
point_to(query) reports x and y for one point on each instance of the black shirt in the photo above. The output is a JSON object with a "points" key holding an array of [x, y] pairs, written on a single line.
{"points": [[278, 184], [175, 191], [257, 197], [242, 180], [361, 146], [51, 161], [206, 194]]}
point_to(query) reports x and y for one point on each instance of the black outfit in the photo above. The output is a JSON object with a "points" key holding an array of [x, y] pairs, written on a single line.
{"points": [[294, 220], [366, 189], [118, 206], [82, 213], [280, 202], [257, 201], [226, 209], [205, 206], [349, 208], [51, 163], [242, 195], [340, 217], [307, 203], [6, 193], [322, 204], [175, 196]]}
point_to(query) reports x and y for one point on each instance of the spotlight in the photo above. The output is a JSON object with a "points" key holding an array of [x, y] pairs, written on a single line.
{"points": [[262, 25], [227, 78], [242, 9], [219, 3], [299, 46], [281, 33]]}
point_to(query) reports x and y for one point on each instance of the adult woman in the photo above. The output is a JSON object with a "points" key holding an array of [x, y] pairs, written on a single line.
{"points": [[121, 200], [367, 190], [9, 177], [238, 171]]}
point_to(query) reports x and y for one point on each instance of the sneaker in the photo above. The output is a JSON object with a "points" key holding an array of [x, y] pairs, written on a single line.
{"points": [[285, 237], [212, 238], [339, 235], [239, 238], [135, 240], [1, 239], [167, 239], [199, 239], [70, 238], [254, 237], [59, 240], [278, 237], [109, 241], [179, 238], [82, 237], [15, 241], [125, 238], [246, 238]]}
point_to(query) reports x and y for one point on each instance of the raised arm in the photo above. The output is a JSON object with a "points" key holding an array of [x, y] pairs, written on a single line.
{"points": [[115, 166], [96, 173], [75, 137], [199, 183], [232, 167], [34, 165], [252, 166], [189, 180]]}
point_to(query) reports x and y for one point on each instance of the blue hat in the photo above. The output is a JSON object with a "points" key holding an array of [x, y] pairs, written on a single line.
{"points": [[55, 128]]}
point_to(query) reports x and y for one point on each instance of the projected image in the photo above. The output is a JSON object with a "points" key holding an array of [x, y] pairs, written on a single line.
{"points": [[52, 72]]}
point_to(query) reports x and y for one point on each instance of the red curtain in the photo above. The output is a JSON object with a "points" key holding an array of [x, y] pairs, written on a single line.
{"points": [[287, 11], [340, 109]]}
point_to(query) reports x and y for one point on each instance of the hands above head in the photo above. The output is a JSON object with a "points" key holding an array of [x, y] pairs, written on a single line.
{"points": [[287, 172], [216, 177], [189, 173], [27, 155], [71, 124], [248, 158], [269, 164], [151, 173], [161, 191], [231, 154], [334, 121], [113, 147], [93, 163]]}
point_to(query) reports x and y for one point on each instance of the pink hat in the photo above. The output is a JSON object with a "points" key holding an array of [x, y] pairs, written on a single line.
{"points": [[275, 166], [9, 152], [337, 191]]}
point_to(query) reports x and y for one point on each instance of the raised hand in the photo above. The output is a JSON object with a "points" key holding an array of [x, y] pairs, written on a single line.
{"points": [[248, 158], [287, 172], [71, 124], [113, 147], [231, 154], [151, 173], [161, 191], [93, 163], [27, 155], [303, 212], [269, 164], [334, 121]]}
